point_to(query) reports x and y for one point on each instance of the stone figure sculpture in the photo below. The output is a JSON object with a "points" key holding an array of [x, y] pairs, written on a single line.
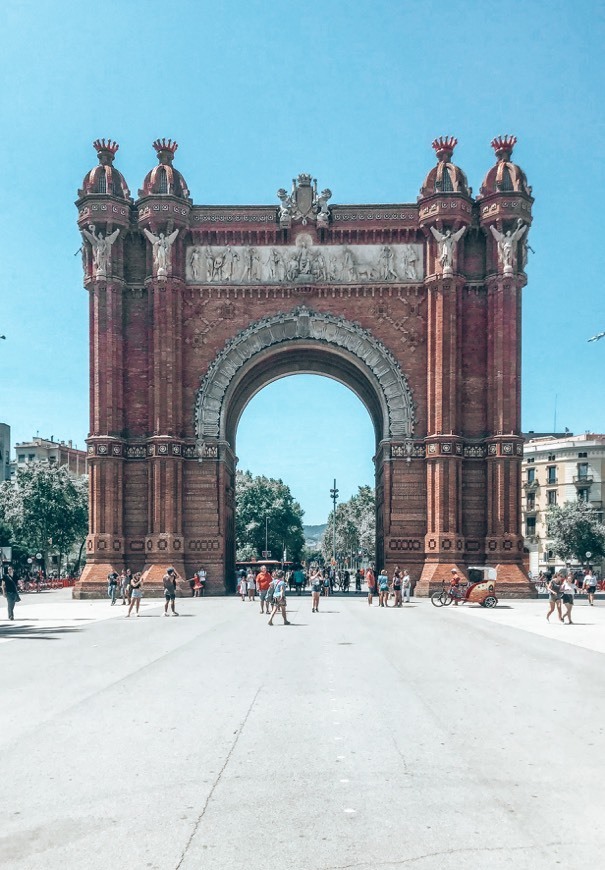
{"points": [[161, 250], [101, 249], [447, 247], [195, 264], [386, 263], [507, 242]]}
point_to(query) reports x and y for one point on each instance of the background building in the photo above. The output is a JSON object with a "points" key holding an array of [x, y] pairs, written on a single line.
{"points": [[49, 450], [5, 451], [558, 469]]}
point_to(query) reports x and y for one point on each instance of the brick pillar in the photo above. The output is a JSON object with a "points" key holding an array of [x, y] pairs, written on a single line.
{"points": [[403, 506], [504, 542], [444, 542], [105, 542], [164, 542]]}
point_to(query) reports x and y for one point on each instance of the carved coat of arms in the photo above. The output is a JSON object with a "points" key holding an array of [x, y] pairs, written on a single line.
{"points": [[303, 203]]}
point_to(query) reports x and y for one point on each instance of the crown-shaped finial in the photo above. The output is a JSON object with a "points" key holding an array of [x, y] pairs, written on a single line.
{"points": [[444, 147], [503, 146], [105, 149], [165, 149]]}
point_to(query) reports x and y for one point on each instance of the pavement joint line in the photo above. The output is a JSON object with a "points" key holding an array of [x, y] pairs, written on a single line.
{"points": [[218, 779]]}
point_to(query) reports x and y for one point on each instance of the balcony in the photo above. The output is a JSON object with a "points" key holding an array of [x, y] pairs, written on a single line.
{"points": [[583, 479], [530, 485]]}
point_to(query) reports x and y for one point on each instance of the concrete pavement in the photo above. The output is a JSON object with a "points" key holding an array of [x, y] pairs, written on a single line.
{"points": [[356, 738]]}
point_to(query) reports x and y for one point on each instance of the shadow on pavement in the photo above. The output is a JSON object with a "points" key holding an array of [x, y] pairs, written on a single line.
{"points": [[33, 632]]}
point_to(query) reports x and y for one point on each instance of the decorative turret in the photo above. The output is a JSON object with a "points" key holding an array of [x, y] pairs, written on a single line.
{"points": [[505, 203], [104, 179], [445, 177], [444, 209], [164, 179], [505, 176]]}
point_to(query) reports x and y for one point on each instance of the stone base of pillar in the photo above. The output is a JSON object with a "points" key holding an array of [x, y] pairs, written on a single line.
{"points": [[92, 582], [513, 582], [153, 576], [434, 574]]}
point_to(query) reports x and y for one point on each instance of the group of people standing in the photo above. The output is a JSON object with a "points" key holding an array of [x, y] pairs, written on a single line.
{"points": [[562, 589], [399, 586], [130, 587]]}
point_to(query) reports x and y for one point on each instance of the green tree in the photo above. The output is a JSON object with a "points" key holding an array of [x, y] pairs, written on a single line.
{"points": [[355, 525], [260, 501], [45, 508], [575, 530]]}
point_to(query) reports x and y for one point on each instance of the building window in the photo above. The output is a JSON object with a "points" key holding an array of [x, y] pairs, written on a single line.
{"points": [[551, 474], [583, 494], [31, 457], [22, 457], [531, 475], [531, 459], [551, 457], [582, 469], [551, 496], [530, 526], [162, 181], [550, 555], [531, 501], [582, 455]]}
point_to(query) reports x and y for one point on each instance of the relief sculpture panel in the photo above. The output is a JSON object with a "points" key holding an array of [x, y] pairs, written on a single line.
{"points": [[304, 262]]}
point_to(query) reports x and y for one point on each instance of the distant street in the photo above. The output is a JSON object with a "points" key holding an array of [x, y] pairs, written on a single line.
{"points": [[437, 739]]}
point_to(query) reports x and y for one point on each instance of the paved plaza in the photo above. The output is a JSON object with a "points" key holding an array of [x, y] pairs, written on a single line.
{"points": [[356, 738]]}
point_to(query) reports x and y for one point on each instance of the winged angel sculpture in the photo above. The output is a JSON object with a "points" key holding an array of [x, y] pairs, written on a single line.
{"points": [[161, 250], [101, 249], [447, 242]]}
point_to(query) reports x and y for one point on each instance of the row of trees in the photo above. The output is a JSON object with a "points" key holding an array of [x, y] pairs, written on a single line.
{"points": [[355, 527], [43, 509]]}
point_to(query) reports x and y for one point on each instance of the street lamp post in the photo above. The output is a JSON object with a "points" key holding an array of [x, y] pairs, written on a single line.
{"points": [[334, 496]]}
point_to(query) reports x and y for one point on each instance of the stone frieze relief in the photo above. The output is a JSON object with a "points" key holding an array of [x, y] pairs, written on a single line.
{"points": [[304, 262]]}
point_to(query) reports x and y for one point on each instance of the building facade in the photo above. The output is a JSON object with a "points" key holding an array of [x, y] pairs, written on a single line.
{"points": [[5, 451], [195, 308], [49, 450], [558, 470]]}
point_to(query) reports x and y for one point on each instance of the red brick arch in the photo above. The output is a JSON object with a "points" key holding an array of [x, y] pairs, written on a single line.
{"points": [[193, 309]]}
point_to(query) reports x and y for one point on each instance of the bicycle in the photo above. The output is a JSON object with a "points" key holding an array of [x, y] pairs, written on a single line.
{"points": [[448, 594]]}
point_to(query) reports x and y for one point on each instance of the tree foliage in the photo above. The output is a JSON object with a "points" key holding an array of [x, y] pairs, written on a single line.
{"points": [[44, 508], [575, 530], [262, 498], [355, 526]]}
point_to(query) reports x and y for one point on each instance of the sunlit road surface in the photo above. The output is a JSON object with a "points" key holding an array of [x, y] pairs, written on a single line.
{"points": [[354, 738]]}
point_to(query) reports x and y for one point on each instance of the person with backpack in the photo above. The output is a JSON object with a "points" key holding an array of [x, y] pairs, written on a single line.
{"points": [[279, 598], [383, 588]]}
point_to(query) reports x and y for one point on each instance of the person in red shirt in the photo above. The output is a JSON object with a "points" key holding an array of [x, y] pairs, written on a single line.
{"points": [[455, 585], [263, 581], [371, 582]]}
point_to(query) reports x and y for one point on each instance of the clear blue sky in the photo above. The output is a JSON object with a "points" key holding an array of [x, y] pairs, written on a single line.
{"points": [[256, 92]]}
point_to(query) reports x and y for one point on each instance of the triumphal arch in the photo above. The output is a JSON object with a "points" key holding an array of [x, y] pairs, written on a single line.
{"points": [[193, 309]]}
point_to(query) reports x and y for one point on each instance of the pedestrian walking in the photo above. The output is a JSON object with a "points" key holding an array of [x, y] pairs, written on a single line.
{"points": [[250, 585], [169, 582], [568, 591], [263, 585], [136, 593], [279, 598], [124, 581], [406, 585], [358, 579], [371, 584], [327, 583], [242, 586], [383, 589], [10, 591], [192, 585], [397, 578], [554, 596], [590, 585], [316, 584], [112, 586], [299, 579]]}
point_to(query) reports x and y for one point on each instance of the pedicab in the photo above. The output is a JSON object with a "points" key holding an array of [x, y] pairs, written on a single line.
{"points": [[480, 589]]}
